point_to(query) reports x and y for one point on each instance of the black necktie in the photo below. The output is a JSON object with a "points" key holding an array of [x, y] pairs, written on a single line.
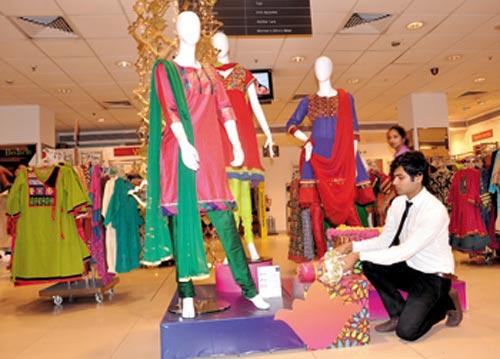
{"points": [[395, 241]]}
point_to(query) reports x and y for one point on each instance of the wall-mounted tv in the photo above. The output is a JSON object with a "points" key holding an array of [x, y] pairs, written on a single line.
{"points": [[264, 84]]}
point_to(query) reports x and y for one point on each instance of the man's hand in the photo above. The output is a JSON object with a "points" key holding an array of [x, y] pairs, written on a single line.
{"points": [[4, 176], [343, 245], [349, 261]]}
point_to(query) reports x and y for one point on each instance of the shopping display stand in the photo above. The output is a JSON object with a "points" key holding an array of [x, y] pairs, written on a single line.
{"points": [[86, 287]]}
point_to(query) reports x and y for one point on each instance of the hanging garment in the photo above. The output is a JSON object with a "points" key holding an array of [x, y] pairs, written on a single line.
{"points": [[236, 85], [331, 170], [467, 230], [440, 183], [495, 187], [97, 244], [296, 244], [110, 231], [48, 247], [126, 219], [5, 241]]}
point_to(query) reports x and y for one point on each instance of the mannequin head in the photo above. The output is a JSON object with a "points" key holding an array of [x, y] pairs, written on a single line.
{"points": [[221, 43], [188, 27], [323, 68]]}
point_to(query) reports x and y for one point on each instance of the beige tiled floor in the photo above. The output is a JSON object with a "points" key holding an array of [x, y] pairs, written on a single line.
{"points": [[128, 327]]}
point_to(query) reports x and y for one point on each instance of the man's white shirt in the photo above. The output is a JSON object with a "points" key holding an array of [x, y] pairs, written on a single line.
{"points": [[424, 239]]}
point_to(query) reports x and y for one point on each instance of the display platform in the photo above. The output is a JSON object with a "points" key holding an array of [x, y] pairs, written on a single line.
{"points": [[376, 309], [242, 329], [224, 279]]}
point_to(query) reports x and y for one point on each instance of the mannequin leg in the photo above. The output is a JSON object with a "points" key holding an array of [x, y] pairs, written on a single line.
{"points": [[317, 218], [223, 222], [235, 188], [185, 290], [246, 217]]}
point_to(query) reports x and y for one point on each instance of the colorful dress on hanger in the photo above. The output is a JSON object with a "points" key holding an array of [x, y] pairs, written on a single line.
{"points": [[48, 248], [209, 108], [495, 187], [440, 183], [236, 85], [123, 214], [110, 235], [467, 230]]}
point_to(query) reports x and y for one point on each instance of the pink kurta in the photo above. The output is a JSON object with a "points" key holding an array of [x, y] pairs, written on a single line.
{"points": [[209, 107]]}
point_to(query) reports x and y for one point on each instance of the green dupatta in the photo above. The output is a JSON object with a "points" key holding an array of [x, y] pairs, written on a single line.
{"points": [[189, 249]]}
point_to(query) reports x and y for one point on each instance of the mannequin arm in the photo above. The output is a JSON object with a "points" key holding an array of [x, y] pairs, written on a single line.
{"points": [[189, 154], [232, 134], [261, 118], [307, 143]]}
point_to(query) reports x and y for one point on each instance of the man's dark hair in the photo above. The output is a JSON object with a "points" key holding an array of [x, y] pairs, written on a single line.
{"points": [[413, 163]]}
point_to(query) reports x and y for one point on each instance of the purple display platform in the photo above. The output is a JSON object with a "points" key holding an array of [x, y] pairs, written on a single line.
{"points": [[242, 329]]}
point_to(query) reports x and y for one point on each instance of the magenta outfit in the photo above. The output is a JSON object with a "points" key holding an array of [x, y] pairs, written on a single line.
{"points": [[209, 107]]}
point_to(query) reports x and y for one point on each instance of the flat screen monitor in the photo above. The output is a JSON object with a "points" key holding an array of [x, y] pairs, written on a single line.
{"points": [[264, 84]]}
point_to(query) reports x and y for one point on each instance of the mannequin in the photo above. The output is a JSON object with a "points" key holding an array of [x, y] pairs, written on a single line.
{"points": [[239, 83], [328, 161], [194, 103]]}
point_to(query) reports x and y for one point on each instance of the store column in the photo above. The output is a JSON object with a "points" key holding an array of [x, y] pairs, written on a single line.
{"points": [[425, 117], [27, 125]]}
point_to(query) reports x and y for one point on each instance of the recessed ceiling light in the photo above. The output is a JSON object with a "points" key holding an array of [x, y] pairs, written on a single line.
{"points": [[298, 59], [480, 103], [415, 25], [353, 81], [64, 90], [9, 82], [454, 57], [123, 63], [479, 79], [100, 120]]}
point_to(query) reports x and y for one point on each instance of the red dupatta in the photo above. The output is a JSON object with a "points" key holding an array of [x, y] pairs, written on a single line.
{"points": [[335, 176]]}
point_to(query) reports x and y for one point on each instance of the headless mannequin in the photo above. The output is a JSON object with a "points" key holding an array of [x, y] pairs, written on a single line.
{"points": [[221, 43], [188, 28], [323, 69]]}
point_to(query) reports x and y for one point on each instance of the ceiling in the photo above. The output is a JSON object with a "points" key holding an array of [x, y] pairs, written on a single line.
{"points": [[33, 71]]}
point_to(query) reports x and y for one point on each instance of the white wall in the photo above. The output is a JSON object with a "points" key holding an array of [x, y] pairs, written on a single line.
{"points": [[461, 140]]}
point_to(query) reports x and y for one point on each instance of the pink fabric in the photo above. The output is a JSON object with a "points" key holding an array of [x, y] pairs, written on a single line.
{"points": [[209, 107], [465, 218]]}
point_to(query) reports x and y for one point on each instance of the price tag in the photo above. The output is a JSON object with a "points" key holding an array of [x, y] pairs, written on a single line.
{"points": [[269, 281]]}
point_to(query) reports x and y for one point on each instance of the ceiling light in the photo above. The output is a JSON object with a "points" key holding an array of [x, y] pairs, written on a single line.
{"points": [[9, 82], [298, 59], [415, 25], [353, 81], [100, 120], [123, 63], [64, 90], [454, 57], [479, 79], [480, 103]]}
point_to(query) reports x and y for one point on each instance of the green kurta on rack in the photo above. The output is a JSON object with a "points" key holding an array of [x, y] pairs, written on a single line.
{"points": [[126, 219], [47, 245]]}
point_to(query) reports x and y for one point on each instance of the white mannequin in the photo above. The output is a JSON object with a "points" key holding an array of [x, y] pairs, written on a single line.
{"points": [[323, 69], [221, 43], [188, 29]]}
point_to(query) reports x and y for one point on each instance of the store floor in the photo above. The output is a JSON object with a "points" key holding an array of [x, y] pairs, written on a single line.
{"points": [[128, 327]]}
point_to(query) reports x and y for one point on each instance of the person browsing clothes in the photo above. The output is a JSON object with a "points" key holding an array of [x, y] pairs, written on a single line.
{"points": [[411, 254]]}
